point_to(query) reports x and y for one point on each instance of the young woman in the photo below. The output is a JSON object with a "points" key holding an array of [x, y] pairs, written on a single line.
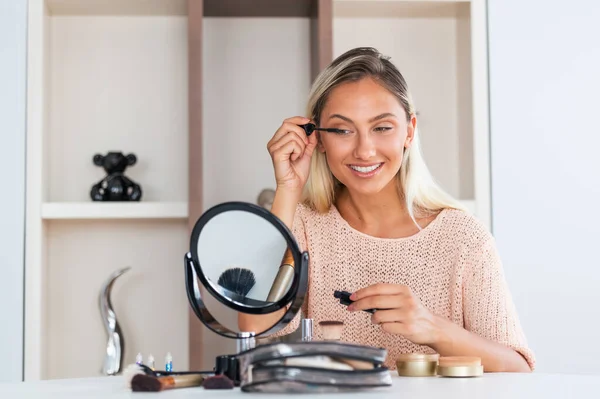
{"points": [[365, 206]]}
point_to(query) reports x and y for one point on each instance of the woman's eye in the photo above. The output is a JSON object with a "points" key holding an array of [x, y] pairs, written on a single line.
{"points": [[382, 128]]}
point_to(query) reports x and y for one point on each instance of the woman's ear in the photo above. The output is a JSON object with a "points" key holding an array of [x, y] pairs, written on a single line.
{"points": [[410, 131]]}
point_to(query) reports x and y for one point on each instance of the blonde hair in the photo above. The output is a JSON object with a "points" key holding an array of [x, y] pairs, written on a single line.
{"points": [[419, 190]]}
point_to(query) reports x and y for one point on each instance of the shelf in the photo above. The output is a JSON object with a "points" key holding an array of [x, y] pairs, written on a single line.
{"points": [[258, 8], [117, 7], [111, 210], [398, 8], [135, 103]]}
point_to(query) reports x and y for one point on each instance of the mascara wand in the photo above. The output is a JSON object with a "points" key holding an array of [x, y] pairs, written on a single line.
{"points": [[309, 128]]}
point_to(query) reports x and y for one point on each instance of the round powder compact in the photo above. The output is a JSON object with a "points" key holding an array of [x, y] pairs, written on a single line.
{"points": [[460, 366], [417, 365]]}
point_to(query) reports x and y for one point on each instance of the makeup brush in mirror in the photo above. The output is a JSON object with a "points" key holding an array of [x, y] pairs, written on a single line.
{"points": [[238, 280]]}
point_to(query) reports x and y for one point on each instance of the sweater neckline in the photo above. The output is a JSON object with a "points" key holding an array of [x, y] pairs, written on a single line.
{"points": [[418, 234]]}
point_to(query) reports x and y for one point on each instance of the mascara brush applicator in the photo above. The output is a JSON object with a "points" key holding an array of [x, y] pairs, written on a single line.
{"points": [[309, 128]]}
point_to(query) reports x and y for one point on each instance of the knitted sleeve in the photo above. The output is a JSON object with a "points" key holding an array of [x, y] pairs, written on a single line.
{"points": [[299, 232], [489, 310]]}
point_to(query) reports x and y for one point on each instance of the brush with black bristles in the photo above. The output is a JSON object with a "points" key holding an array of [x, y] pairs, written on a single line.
{"points": [[238, 280]]}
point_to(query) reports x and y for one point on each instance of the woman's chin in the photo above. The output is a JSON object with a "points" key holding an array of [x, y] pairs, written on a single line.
{"points": [[369, 188]]}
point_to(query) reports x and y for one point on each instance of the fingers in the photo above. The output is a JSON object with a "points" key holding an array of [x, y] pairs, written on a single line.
{"points": [[395, 321], [290, 149], [313, 140], [380, 289], [391, 316], [384, 316], [378, 302], [398, 329], [282, 144], [290, 125]]}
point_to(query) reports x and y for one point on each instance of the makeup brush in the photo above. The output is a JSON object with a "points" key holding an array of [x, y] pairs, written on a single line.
{"points": [[309, 128], [149, 383], [219, 381], [143, 379], [238, 280], [283, 279]]}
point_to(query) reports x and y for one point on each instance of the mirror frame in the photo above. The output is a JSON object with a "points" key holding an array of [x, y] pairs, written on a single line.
{"points": [[193, 269]]}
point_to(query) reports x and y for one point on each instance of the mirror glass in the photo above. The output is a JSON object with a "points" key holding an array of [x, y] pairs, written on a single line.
{"points": [[240, 253]]}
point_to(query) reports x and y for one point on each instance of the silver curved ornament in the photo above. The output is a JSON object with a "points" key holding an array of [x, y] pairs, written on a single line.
{"points": [[115, 346]]}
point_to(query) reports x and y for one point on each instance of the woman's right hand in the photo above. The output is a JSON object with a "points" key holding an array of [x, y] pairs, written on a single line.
{"points": [[291, 150]]}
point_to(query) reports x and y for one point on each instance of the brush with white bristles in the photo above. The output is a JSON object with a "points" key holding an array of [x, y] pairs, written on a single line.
{"points": [[131, 371]]}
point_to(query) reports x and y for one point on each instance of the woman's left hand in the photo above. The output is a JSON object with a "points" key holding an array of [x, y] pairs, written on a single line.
{"points": [[398, 312]]}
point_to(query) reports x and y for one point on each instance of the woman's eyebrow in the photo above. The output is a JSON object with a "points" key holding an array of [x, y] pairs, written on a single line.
{"points": [[376, 118], [344, 118], [384, 115]]}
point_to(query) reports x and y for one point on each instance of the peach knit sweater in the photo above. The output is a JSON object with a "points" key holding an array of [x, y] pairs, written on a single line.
{"points": [[451, 265]]}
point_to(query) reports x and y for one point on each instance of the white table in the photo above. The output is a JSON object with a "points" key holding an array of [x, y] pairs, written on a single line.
{"points": [[489, 386]]}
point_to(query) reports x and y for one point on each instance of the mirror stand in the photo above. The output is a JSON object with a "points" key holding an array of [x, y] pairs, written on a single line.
{"points": [[243, 260], [245, 341]]}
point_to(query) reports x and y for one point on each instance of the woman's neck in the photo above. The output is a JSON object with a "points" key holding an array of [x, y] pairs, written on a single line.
{"points": [[383, 215], [373, 210]]}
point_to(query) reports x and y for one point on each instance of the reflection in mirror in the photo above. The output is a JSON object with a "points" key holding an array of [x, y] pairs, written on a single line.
{"points": [[240, 254], [233, 320]]}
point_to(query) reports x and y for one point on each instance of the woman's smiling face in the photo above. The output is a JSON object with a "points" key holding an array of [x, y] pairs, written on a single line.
{"points": [[367, 157]]}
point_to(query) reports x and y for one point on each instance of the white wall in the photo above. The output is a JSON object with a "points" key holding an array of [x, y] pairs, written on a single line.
{"points": [[430, 63], [240, 112], [544, 66], [12, 194]]}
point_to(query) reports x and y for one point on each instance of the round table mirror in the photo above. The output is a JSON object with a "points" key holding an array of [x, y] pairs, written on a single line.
{"points": [[244, 263]]}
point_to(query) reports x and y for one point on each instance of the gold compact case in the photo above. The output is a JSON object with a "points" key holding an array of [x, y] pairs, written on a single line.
{"points": [[417, 365], [460, 366]]}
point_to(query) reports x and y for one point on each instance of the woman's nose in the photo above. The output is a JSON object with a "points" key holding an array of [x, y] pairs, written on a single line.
{"points": [[365, 147]]}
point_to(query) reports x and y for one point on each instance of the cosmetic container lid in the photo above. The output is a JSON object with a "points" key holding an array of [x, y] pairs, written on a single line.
{"points": [[460, 366], [448, 361], [417, 365], [416, 357]]}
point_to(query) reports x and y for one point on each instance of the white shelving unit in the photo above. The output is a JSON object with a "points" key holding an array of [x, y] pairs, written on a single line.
{"points": [[112, 75], [441, 49], [109, 210], [105, 75]]}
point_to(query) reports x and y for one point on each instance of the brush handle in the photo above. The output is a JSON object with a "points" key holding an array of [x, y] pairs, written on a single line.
{"points": [[283, 279], [181, 381]]}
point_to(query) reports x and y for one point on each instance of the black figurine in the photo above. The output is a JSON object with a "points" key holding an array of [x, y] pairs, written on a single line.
{"points": [[115, 186]]}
